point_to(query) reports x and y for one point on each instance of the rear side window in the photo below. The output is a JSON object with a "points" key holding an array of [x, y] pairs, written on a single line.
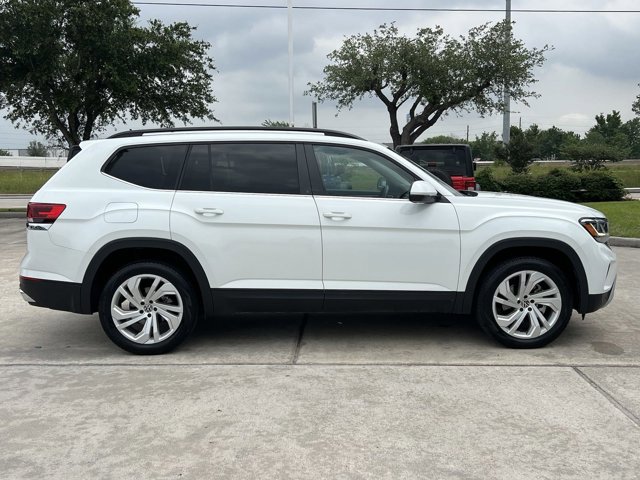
{"points": [[247, 168], [156, 166]]}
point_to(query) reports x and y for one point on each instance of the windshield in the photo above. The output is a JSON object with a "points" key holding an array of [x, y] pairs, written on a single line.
{"points": [[449, 188], [452, 159]]}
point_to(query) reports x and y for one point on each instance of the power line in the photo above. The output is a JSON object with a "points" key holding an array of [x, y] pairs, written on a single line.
{"points": [[382, 9]]}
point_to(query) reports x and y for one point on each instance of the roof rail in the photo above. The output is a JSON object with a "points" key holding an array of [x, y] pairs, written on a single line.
{"points": [[139, 133]]}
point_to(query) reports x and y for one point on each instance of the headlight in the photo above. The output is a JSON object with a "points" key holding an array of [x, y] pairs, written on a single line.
{"points": [[598, 228]]}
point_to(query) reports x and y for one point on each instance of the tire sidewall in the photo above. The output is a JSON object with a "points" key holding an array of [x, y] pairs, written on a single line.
{"points": [[189, 315], [500, 273]]}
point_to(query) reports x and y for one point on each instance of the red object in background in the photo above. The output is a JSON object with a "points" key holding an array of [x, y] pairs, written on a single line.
{"points": [[463, 183]]}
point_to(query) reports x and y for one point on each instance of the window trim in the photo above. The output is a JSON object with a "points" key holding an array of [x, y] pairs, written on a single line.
{"points": [[317, 186], [304, 183]]}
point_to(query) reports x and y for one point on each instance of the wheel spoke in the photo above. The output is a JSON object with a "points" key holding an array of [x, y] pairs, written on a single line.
{"points": [[506, 320], [534, 279], [535, 324], [518, 322], [542, 319], [156, 330], [152, 288], [506, 292], [165, 289], [550, 298], [119, 314], [522, 284], [508, 303], [128, 323], [173, 320], [133, 284], [145, 333], [123, 291]]}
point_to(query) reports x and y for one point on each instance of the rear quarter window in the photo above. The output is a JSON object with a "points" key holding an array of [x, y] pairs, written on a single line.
{"points": [[153, 166]]}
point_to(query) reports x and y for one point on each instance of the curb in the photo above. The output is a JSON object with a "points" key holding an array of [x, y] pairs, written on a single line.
{"points": [[624, 242]]}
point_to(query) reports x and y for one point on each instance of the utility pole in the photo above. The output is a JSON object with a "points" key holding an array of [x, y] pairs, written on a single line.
{"points": [[314, 114], [467, 133], [506, 116], [290, 31]]}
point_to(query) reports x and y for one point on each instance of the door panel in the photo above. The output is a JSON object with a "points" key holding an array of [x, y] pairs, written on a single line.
{"points": [[374, 238]]}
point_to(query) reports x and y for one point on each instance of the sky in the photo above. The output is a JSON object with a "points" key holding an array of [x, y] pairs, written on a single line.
{"points": [[594, 66]]}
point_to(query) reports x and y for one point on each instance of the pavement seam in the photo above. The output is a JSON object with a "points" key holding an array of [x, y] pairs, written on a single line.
{"points": [[610, 398], [290, 363], [296, 352]]}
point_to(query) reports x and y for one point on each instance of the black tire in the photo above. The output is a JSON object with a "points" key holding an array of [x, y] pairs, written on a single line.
{"points": [[500, 273], [187, 298]]}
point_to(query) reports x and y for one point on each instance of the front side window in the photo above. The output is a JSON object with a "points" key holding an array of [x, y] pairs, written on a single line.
{"points": [[154, 166], [247, 168], [354, 172]]}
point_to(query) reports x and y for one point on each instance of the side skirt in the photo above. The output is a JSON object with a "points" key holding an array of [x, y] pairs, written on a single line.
{"points": [[227, 300]]}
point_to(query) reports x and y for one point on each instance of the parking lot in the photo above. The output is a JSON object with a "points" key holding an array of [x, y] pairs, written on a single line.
{"points": [[323, 396]]}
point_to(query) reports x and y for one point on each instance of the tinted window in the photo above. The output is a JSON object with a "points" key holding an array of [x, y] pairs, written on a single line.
{"points": [[250, 168], [153, 166], [455, 160], [360, 173]]}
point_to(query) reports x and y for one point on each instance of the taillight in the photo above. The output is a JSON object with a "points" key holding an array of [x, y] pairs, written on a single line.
{"points": [[44, 212]]}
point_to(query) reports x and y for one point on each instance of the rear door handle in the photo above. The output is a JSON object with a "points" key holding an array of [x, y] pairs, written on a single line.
{"points": [[337, 215], [209, 211]]}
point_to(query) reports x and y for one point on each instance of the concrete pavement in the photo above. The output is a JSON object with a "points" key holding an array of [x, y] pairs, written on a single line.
{"points": [[329, 396]]}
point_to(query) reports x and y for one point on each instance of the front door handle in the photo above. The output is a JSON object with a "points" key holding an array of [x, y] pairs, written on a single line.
{"points": [[337, 215], [209, 211]]}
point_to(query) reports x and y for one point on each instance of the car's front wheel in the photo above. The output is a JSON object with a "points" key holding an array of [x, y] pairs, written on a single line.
{"points": [[147, 308], [525, 302]]}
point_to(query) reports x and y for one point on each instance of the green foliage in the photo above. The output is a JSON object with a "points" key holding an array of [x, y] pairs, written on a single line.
{"points": [[591, 156], [484, 146], [433, 72], [275, 123], [601, 186], [559, 184], [487, 181], [4, 153], [519, 153], [36, 149], [443, 139], [636, 105], [72, 67], [632, 130]]}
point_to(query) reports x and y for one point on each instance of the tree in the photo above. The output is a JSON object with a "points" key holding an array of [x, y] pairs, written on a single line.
{"points": [[433, 73], [443, 139], [71, 67], [484, 146], [553, 140], [591, 156], [636, 105], [276, 123], [609, 131], [36, 149], [632, 130], [518, 153], [4, 153]]}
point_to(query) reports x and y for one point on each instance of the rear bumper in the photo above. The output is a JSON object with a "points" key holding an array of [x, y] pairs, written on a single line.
{"points": [[52, 294]]}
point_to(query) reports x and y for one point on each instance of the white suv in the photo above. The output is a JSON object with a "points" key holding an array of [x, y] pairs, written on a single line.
{"points": [[155, 229]]}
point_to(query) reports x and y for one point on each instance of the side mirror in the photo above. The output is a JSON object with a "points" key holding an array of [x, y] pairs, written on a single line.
{"points": [[382, 183], [422, 192]]}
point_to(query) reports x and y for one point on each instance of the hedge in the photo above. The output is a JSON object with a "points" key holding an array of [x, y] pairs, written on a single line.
{"points": [[560, 184]]}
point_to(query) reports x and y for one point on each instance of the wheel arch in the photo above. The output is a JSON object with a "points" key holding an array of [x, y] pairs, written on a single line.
{"points": [[555, 251], [112, 256]]}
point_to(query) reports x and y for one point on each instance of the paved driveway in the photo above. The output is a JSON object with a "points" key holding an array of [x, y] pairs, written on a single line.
{"points": [[268, 396]]}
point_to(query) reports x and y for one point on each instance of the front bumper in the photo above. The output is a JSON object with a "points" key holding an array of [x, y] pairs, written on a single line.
{"points": [[600, 300]]}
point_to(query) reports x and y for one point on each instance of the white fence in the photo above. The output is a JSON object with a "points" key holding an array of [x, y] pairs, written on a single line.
{"points": [[32, 162]]}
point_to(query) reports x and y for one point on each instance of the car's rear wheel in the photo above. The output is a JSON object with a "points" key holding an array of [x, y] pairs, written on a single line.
{"points": [[148, 308], [525, 302]]}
